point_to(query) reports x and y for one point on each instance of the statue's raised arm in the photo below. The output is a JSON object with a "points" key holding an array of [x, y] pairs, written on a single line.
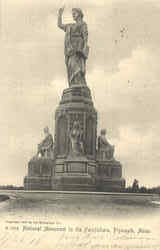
{"points": [[60, 13], [76, 48]]}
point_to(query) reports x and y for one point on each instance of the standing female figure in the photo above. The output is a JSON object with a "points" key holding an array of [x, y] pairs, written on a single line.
{"points": [[76, 49], [76, 139]]}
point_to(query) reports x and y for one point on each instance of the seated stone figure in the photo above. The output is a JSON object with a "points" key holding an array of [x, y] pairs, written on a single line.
{"points": [[45, 148], [105, 149]]}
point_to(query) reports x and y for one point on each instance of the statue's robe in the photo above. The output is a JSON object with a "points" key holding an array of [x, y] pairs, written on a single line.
{"points": [[75, 52]]}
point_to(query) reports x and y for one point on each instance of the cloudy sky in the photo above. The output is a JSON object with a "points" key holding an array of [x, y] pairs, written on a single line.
{"points": [[123, 72]]}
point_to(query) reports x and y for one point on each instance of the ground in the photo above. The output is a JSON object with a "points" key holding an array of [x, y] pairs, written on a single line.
{"points": [[89, 222]]}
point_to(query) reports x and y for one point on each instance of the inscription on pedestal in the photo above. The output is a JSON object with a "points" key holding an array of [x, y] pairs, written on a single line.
{"points": [[78, 167]]}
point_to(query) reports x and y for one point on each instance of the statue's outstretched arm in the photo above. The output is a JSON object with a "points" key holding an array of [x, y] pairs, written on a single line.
{"points": [[60, 24]]}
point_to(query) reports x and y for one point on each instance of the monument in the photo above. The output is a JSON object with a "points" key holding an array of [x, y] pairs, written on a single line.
{"points": [[75, 163]]}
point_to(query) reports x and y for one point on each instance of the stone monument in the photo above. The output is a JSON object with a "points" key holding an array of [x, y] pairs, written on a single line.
{"points": [[77, 164]]}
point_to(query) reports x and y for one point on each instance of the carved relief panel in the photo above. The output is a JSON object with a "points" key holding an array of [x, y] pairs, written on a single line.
{"points": [[62, 135], [91, 126]]}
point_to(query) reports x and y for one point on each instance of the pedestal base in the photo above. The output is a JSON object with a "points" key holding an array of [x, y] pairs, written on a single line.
{"points": [[75, 182], [76, 174], [110, 184], [109, 176], [37, 183], [39, 174]]}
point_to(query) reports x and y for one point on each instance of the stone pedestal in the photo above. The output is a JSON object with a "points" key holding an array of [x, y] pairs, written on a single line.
{"points": [[75, 173], [79, 168], [109, 176], [39, 174], [76, 104]]}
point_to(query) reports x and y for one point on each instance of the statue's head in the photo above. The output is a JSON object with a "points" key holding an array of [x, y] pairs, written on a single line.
{"points": [[77, 13], [103, 131], [46, 130]]}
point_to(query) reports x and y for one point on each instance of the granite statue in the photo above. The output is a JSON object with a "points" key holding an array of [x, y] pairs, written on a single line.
{"points": [[45, 148], [76, 134], [77, 164], [76, 48], [105, 149]]}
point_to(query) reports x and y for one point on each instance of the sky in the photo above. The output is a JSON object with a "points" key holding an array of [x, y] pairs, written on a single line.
{"points": [[123, 73]]}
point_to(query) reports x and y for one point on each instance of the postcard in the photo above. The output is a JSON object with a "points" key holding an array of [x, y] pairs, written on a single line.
{"points": [[79, 125]]}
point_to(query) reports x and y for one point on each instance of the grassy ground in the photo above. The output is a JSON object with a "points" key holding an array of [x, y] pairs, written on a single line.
{"points": [[82, 211], [79, 206]]}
